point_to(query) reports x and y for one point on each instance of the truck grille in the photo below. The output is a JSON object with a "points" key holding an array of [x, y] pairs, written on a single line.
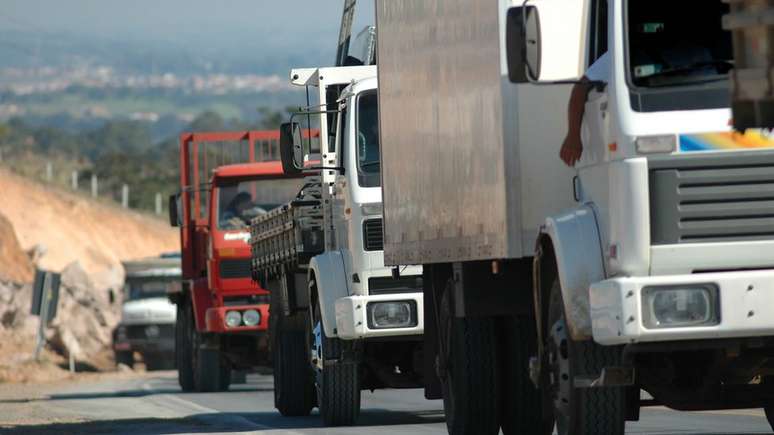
{"points": [[372, 235], [712, 198], [139, 332], [387, 285], [235, 268]]}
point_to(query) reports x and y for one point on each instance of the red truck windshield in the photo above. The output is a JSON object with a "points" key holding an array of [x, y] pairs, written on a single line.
{"points": [[240, 202]]}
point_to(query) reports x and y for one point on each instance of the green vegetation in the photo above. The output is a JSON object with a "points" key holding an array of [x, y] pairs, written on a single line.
{"points": [[119, 152]]}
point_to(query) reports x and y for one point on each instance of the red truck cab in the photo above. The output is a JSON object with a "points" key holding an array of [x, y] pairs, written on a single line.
{"points": [[222, 313]]}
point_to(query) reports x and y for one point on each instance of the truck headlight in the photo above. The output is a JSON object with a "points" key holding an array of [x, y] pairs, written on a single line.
{"points": [[394, 314], [233, 319], [680, 306], [251, 317]]}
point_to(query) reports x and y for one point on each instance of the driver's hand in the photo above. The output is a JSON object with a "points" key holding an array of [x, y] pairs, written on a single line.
{"points": [[571, 151]]}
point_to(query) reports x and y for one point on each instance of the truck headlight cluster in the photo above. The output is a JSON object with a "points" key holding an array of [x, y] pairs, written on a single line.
{"points": [[680, 306], [236, 318], [393, 314], [251, 317], [233, 319]]}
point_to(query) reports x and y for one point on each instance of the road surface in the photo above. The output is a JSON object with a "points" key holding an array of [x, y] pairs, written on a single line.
{"points": [[153, 404]]}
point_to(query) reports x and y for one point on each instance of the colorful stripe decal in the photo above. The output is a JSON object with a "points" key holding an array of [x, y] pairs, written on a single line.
{"points": [[751, 139]]}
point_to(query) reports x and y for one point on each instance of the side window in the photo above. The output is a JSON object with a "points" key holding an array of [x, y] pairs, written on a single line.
{"points": [[597, 30]]}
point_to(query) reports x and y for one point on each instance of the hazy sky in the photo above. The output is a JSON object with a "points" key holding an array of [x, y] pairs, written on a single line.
{"points": [[261, 24]]}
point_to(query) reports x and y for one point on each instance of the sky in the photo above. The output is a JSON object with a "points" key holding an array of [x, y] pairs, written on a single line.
{"points": [[252, 27]]}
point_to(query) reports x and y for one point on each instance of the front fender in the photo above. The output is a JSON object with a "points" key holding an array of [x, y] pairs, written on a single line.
{"points": [[327, 270], [579, 261]]}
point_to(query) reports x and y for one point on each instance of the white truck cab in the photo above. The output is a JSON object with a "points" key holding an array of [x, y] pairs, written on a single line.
{"points": [[647, 265], [345, 314], [147, 325]]}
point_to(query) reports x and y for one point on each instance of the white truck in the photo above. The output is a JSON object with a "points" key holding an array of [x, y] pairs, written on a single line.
{"points": [[340, 322], [147, 324], [649, 265]]}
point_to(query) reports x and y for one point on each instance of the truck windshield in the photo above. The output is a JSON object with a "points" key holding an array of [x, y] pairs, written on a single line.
{"points": [[677, 46], [368, 140], [239, 202], [147, 288]]}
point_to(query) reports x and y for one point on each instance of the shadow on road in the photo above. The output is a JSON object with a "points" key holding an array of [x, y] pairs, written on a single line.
{"points": [[225, 422], [118, 394]]}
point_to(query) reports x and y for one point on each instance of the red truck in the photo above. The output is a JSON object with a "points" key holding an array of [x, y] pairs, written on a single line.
{"points": [[226, 179]]}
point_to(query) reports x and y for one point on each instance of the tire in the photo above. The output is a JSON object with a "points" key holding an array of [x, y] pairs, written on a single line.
{"points": [[225, 375], [208, 370], [580, 411], [470, 379], [770, 415], [522, 410], [293, 387], [125, 357], [337, 382], [184, 330]]}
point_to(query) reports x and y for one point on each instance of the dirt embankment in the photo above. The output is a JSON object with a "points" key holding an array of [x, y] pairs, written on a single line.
{"points": [[65, 228], [85, 240], [15, 265]]}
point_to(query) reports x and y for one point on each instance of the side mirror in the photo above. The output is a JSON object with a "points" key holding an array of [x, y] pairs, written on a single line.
{"points": [[174, 210], [291, 148], [523, 45]]}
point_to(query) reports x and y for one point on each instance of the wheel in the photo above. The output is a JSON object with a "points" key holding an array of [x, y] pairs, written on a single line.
{"points": [[184, 354], [125, 357], [209, 369], [293, 387], [337, 382], [225, 374], [579, 411], [521, 411], [467, 367]]}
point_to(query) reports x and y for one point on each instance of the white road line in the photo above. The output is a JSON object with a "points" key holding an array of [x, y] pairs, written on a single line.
{"points": [[163, 399]]}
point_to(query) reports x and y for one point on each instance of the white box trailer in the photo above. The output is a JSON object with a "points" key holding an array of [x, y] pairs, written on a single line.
{"points": [[464, 153], [649, 265]]}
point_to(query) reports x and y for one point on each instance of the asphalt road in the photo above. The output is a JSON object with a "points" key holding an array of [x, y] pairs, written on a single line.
{"points": [[154, 405]]}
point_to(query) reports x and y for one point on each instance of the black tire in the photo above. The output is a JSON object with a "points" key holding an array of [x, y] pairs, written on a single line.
{"points": [[184, 330], [125, 357], [337, 382], [293, 387], [225, 374], [581, 411], [770, 415], [522, 411], [470, 382], [208, 370]]}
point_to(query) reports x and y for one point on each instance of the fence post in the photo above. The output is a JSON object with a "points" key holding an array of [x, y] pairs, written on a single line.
{"points": [[94, 186], [49, 171], [74, 180], [158, 203], [125, 196]]}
